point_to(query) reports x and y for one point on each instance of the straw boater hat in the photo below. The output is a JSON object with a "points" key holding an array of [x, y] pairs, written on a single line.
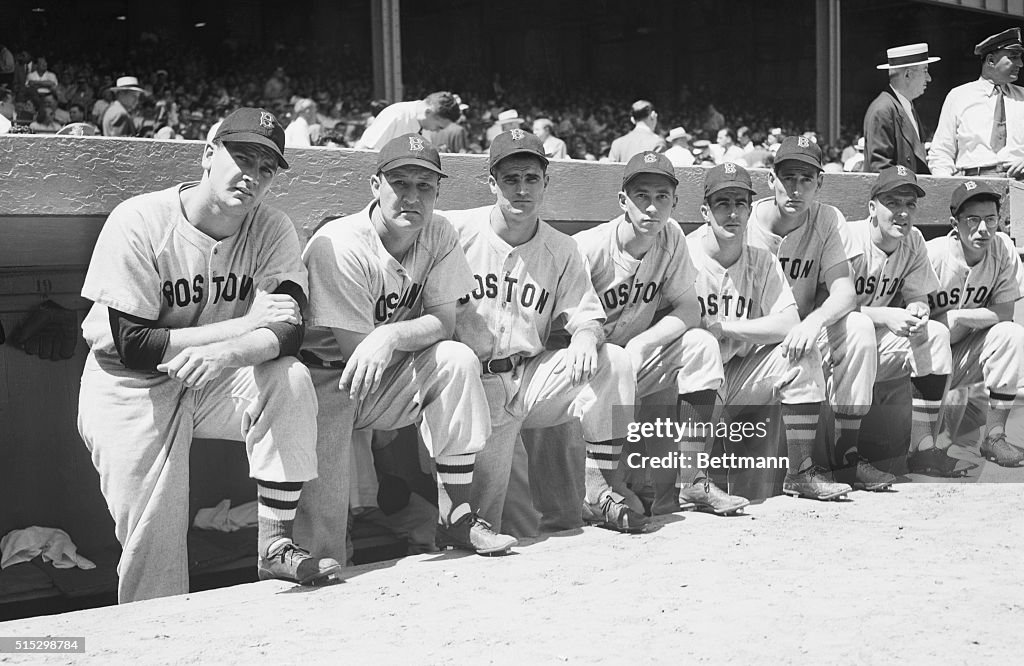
{"points": [[128, 83], [509, 116], [907, 56], [677, 133]]}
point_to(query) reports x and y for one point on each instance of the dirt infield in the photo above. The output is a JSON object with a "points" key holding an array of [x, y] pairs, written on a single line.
{"points": [[927, 573]]}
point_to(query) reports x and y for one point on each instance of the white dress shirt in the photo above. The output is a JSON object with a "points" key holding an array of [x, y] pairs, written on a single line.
{"points": [[909, 108], [965, 128]]}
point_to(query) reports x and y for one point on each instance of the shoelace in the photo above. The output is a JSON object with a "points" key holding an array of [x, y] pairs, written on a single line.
{"points": [[286, 551]]}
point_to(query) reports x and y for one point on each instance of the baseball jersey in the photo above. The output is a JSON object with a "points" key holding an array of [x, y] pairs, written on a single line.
{"points": [[150, 262], [631, 290], [752, 287], [993, 280], [519, 293], [879, 277], [356, 285], [806, 253]]}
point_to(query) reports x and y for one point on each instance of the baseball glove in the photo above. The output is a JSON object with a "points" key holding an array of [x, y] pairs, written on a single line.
{"points": [[50, 331]]}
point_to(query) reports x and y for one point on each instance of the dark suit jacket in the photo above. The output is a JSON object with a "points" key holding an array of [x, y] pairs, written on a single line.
{"points": [[889, 136]]}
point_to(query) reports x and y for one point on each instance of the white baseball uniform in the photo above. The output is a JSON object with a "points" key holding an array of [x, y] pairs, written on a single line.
{"points": [[356, 285], [150, 262], [520, 294], [882, 279], [806, 254], [993, 355]]}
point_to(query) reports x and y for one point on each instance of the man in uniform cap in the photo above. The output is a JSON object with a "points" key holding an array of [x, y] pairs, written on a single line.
{"points": [[643, 137], [892, 128], [974, 135]]}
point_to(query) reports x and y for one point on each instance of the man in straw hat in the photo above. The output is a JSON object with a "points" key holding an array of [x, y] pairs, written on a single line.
{"points": [[892, 128], [976, 134], [117, 120]]}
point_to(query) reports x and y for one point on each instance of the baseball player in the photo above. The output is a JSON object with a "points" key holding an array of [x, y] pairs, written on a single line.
{"points": [[807, 238], [383, 290], [890, 266], [528, 277], [980, 277], [747, 304], [196, 319]]}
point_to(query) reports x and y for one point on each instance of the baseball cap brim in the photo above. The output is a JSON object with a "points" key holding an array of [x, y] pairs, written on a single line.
{"points": [[895, 186], [520, 151], [718, 187], [800, 157], [251, 137], [412, 161], [656, 172]]}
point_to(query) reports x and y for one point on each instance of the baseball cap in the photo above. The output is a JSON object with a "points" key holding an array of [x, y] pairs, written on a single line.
{"points": [[1007, 39], [799, 149], [649, 162], [249, 125], [514, 142], [970, 190], [409, 149], [892, 177], [726, 175]]}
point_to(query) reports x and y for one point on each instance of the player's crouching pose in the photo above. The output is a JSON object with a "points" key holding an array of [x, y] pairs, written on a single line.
{"points": [[383, 288], [197, 293], [980, 277], [890, 262], [527, 277], [807, 237], [747, 304]]}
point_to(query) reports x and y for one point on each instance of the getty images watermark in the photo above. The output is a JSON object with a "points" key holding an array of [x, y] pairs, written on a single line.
{"points": [[669, 429]]}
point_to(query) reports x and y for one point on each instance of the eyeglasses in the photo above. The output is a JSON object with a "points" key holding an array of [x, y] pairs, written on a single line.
{"points": [[973, 221]]}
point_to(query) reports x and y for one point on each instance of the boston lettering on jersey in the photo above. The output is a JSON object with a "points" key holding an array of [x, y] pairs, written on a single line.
{"points": [[888, 287], [977, 295], [725, 305], [181, 292], [388, 303], [510, 290], [625, 294], [796, 268]]}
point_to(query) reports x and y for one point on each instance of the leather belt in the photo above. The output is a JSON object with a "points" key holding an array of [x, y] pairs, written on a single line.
{"points": [[496, 366], [311, 359], [992, 170]]}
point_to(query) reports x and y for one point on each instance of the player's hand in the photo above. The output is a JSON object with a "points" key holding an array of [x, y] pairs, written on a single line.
{"points": [[1016, 170], [195, 367], [921, 311], [269, 308], [901, 321], [365, 369], [801, 340], [580, 359]]}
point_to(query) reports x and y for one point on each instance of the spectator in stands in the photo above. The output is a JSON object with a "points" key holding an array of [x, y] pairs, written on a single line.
{"points": [[7, 66], [758, 156], [437, 111], [454, 138], [60, 115], [774, 139], [832, 160], [892, 128], [643, 137], [856, 161], [679, 152], [554, 147], [743, 140], [44, 122], [117, 119], [41, 76], [973, 137], [76, 113], [506, 120], [725, 148], [713, 120], [298, 132], [7, 110]]}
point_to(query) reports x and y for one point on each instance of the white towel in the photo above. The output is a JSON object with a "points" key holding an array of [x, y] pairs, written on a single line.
{"points": [[55, 545], [223, 518]]}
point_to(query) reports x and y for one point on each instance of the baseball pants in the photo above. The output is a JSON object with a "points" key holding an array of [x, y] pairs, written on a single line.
{"points": [[994, 356], [850, 363], [926, 353], [438, 389], [549, 463], [139, 429], [533, 396]]}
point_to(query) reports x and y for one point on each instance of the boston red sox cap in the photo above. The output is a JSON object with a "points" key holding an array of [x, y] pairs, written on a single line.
{"points": [[649, 162], [726, 175], [893, 177], [248, 125], [799, 149], [971, 189], [514, 142], [409, 149]]}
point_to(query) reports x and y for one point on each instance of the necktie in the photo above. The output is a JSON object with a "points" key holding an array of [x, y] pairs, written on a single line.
{"points": [[999, 122]]}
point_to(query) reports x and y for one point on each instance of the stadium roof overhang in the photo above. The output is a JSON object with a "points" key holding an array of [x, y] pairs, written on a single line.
{"points": [[1000, 7]]}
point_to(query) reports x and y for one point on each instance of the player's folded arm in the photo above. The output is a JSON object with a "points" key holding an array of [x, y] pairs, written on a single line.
{"points": [[289, 336]]}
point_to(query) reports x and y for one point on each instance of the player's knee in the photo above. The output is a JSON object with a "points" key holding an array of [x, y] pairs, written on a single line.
{"points": [[1008, 335], [288, 376], [860, 331], [703, 343], [938, 334], [615, 359], [457, 358]]}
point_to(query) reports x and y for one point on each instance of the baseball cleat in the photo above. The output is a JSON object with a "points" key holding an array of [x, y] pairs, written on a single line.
{"points": [[612, 513], [473, 533], [706, 496], [936, 462], [996, 449], [289, 562], [862, 475], [812, 483]]}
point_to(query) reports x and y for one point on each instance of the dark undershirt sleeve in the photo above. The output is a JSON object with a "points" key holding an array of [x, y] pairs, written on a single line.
{"points": [[289, 336], [139, 342]]}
